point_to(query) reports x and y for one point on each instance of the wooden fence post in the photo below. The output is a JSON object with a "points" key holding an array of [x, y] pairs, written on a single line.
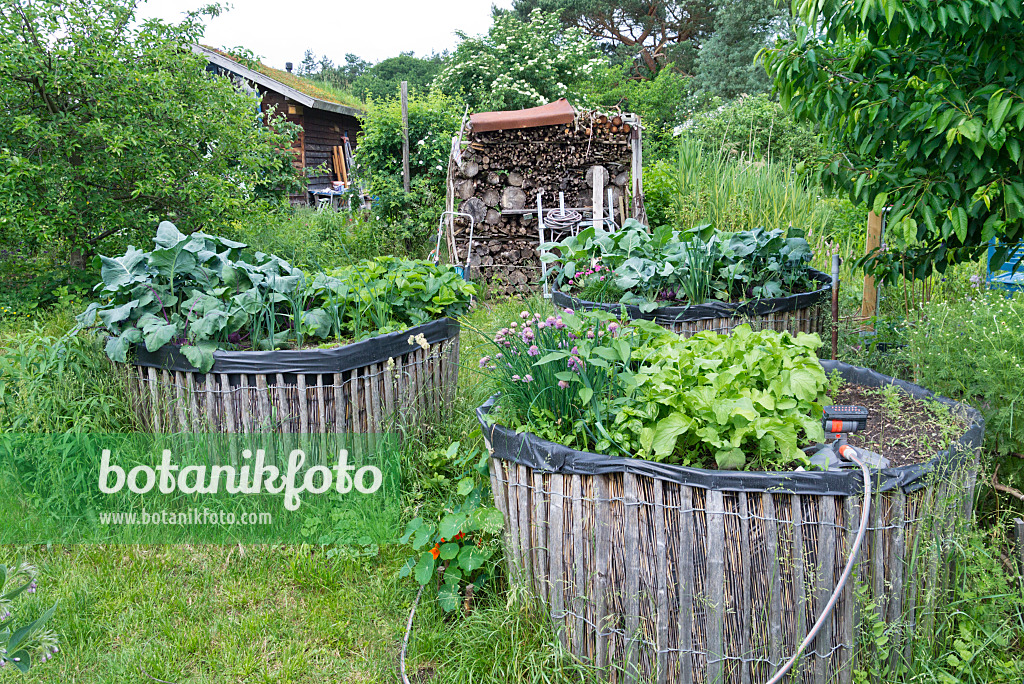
{"points": [[405, 135], [869, 302]]}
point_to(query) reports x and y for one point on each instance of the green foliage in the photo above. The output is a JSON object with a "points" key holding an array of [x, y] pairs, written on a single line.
{"points": [[456, 545], [725, 63], [58, 385], [315, 240], [653, 33], [18, 645], [972, 351], [731, 194], [108, 124], [970, 635], [667, 266], [756, 127], [519, 64], [384, 79], [204, 293], [925, 102], [746, 400], [656, 100], [433, 120]]}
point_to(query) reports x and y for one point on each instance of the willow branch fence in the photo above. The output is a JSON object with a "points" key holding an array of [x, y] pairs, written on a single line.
{"points": [[684, 578]]}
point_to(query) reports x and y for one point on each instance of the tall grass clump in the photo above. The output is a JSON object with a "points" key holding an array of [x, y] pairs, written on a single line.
{"points": [[732, 193]]}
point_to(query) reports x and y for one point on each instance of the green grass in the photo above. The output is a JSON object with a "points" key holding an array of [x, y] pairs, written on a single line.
{"points": [[204, 613]]}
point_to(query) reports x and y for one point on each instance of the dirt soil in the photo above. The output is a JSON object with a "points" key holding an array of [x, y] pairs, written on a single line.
{"points": [[903, 429]]}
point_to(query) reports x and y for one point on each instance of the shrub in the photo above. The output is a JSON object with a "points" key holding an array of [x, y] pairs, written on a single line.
{"points": [[755, 127], [109, 123]]}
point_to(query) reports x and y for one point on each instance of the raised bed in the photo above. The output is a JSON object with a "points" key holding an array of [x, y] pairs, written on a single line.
{"points": [[402, 378], [665, 573], [804, 312]]}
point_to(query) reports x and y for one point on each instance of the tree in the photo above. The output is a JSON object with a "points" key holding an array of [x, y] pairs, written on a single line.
{"points": [[657, 31], [925, 100], [725, 64], [518, 64], [383, 79], [108, 125]]}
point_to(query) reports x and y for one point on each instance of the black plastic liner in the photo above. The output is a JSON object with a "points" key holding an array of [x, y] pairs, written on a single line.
{"points": [[710, 310], [305, 361], [531, 451]]}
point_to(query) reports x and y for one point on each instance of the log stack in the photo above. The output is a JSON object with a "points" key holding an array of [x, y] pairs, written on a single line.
{"points": [[498, 173]]}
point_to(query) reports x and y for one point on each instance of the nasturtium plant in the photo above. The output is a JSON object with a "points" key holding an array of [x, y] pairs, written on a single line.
{"points": [[924, 105], [459, 542], [670, 267], [206, 293]]}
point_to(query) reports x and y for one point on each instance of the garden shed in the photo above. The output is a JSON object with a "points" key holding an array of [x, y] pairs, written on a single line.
{"points": [[325, 121]]}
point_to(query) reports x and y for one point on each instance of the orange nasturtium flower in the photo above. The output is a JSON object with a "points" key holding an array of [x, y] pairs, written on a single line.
{"points": [[459, 536], [436, 551]]}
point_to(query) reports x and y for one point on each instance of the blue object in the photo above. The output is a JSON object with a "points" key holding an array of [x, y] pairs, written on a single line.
{"points": [[1010, 276]]}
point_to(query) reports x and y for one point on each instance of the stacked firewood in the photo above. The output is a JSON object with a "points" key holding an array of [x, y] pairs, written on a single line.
{"points": [[498, 175]]}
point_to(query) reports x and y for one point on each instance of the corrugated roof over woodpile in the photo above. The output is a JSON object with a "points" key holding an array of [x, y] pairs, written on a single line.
{"points": [[557, 112], [290, 85]]}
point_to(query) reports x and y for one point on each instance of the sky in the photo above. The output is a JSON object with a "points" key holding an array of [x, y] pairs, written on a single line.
{"points": [[281, 31]]}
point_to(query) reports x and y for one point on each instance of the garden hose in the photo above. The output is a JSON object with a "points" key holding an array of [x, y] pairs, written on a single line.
{"points": [[848, 452]]}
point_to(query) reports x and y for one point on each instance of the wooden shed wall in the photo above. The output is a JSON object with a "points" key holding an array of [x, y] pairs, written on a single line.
{"points": [[321, 130]]}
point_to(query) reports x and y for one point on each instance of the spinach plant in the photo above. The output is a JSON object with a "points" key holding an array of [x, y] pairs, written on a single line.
{"points": [[206, 293]]}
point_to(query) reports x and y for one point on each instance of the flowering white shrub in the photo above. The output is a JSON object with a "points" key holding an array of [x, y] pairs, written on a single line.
{"points": [[518, 65]]}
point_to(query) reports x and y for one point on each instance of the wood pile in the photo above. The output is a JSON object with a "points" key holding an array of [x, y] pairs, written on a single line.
{"points": [[496, 174]]}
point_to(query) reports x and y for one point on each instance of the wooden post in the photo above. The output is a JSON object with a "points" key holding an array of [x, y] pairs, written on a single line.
{"points": [[599, 195], [871, 242], [1018, 533], [405, 135]]}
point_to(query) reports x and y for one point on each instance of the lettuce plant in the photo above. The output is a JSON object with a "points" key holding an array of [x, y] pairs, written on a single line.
{"points": [[206, 293], [671, 267]]}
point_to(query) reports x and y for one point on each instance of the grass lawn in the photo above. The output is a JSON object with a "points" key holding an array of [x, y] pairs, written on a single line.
{"points": [[280, 613]]}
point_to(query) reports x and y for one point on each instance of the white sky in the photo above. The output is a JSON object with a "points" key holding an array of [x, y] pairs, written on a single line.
{"points": [[282, 30]]}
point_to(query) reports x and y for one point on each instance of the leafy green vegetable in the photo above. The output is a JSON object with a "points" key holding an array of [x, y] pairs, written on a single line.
{"points": [[748, 400], [206, 293], [669, 266]]}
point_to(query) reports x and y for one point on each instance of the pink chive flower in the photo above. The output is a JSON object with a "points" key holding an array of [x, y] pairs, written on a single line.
{"points": [[590, 334], [534, 350], [568, 311], [515, 378], [524, 314], [563, 384], [613, 326], [484, 361], [527, 378]]}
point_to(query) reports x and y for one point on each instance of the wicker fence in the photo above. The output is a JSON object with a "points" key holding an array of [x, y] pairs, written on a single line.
{"points": [[407, 389], [656, 579]]}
